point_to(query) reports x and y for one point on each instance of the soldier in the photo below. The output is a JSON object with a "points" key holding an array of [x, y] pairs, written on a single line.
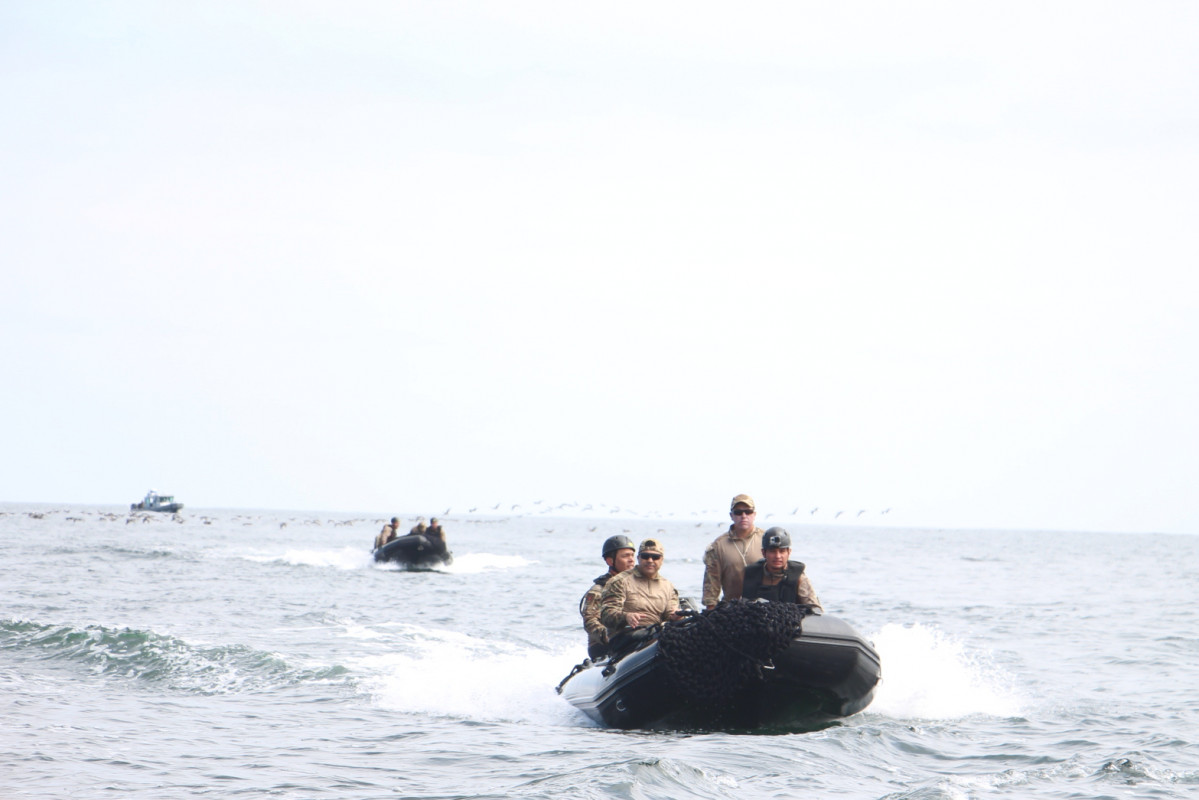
{"points": [[434, 530], [619, 554], [419, 527], [726, 558], [387, 534], [640, 596], [776, 577]]}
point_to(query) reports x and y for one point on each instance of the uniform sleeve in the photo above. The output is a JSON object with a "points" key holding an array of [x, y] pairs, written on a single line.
{"points": [[711, 577], [674, 603], [612, 605], [806, 593], [590, 610]]}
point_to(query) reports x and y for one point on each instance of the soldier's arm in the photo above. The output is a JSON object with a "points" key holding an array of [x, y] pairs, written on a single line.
{"points": [[806, 593], [612, 605], [591, 611], [711, 594], [674, 604]]}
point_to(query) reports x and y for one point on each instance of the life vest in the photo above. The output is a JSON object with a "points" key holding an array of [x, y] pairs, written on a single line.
{"points": [[785, 591]]}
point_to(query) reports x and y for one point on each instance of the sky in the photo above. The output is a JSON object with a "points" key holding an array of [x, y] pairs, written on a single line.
{"points": [[934, 259]]}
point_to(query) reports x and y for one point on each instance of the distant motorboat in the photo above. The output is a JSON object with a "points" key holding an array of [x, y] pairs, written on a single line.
{"points": [[157, 502]]}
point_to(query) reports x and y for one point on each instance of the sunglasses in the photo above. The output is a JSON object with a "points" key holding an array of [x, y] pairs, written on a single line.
{"points": [[743, 512], [650, 556]]}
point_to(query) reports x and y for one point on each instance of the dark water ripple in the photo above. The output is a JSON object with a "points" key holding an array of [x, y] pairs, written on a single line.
{"points": [[153, 658]]}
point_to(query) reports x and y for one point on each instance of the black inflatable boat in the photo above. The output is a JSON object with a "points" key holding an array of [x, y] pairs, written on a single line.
{"points": [[416, 551], [742, 665]]}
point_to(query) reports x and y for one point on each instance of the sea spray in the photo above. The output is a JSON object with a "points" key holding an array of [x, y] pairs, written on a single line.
{"points": [[449, 674], [929, 675]]}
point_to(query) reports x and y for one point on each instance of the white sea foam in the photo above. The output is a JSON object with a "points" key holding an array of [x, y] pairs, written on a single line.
{"points": [[929, 675], [450, 674], [346, 558], [471, 563]]}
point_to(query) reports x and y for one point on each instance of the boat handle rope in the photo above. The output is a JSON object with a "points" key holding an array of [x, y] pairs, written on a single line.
{"points": [[577, 669]]}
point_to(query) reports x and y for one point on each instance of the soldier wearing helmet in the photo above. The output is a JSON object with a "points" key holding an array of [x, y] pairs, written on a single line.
{"points": [[619, 554], [776, 577]]}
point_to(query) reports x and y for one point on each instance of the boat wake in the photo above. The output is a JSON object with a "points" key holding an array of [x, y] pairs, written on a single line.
{"points": [[473, 563], [345, 558], [928, 675], [474, 680]]}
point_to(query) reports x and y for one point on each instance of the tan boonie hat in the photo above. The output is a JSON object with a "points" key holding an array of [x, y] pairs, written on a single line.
{"points": [[651, 546], [742, 500]]}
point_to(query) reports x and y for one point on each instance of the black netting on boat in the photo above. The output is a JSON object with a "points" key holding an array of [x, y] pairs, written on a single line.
{"points": [[708, 657]]}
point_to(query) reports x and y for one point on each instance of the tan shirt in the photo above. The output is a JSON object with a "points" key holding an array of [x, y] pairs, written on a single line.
{"points": [[725, 561], [385, 536], [632, 591]]}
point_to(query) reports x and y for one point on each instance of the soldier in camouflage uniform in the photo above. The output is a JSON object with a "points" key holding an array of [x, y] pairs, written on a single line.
{"points": [[619, 554], [640, 596], [726, 558]]}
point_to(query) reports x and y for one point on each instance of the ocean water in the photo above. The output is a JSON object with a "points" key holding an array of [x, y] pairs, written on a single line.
{"points": [[263, 654]]}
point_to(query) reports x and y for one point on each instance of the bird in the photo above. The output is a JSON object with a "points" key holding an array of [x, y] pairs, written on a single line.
{"points": [[885, 510], [839, 513], [861, 511], [814, 510]]}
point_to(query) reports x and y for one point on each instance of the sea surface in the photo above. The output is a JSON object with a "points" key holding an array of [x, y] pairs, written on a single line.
{"points": [[246, 654]]}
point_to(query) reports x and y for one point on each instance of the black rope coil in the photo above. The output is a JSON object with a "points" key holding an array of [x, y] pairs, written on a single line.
{"points": [[710, 656]]}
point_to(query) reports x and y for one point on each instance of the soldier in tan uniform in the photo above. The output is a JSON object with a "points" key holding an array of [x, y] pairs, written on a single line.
{"points": [[388, 533], [640, 596], [726, 558], [619, 554]]}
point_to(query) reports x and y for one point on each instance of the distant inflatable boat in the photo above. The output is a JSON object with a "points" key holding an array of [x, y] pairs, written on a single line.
{"points": [[416, 551], [741, 665], [157, 502]]}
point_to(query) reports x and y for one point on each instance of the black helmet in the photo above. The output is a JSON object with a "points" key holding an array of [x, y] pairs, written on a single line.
{"points": [[618, 542], [776, 537]]}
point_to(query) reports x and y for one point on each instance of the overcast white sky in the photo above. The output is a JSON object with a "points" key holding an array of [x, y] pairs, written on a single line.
{"points": [[398, 257]]}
